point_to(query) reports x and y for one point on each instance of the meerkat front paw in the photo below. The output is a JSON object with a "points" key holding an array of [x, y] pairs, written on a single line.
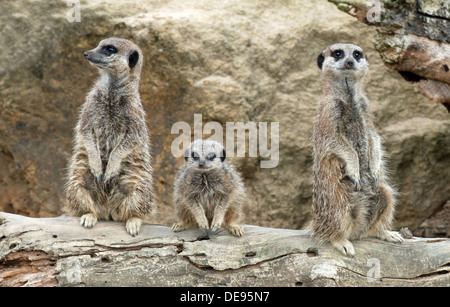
{"points": [[96, 172], [356, 182], [133, 226], [353, 175], [345, 247], [202, 223], [375, 174], [203, 226], [88, 220], [111, 171], [216, 223]]}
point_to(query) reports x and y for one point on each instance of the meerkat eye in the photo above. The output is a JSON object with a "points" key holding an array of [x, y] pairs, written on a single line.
{"points": [[109, 49], [195, 156], [211, 156], [357, 55], [337, 54]]}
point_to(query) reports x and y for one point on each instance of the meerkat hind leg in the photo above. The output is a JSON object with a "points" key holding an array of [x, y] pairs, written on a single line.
{"points": [[389, 236], [380, 228], [234, 229]]}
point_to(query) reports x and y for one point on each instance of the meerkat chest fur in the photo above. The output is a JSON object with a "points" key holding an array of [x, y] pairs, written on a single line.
{"points": [[211, 189], [112, 114], [111, 119], [351, 118]]}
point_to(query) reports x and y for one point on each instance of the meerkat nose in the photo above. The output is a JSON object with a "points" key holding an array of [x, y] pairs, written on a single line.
{"points": [[86, 54], [349, 64], [201, 163]]}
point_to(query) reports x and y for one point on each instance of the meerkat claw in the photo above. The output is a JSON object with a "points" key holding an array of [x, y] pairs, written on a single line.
{"points": [[210, 232], [357, 183]]}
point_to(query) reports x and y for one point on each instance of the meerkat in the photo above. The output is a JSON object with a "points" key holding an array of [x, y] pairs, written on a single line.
{"points": [[110, 173], [352, 197], [208, 191]]}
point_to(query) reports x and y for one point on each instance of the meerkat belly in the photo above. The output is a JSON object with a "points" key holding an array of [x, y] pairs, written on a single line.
{"points": [[107, 143], [209, 203], [352, 125], [360, 144], [212, 195], [110, 130]]}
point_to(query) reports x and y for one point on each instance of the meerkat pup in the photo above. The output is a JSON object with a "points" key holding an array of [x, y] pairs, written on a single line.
{"points": [[208, 192], [110, 176], [352, 197]]}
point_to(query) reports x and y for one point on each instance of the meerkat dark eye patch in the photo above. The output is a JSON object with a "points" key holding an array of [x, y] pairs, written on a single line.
{"points": [[320, 60], [211, 156], [133, 59], [195, 156], [357, 55], [187, 154], [338, 54], [108, 50]]}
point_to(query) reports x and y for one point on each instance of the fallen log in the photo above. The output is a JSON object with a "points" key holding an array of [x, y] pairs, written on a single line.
{"points": [[59, 252]]}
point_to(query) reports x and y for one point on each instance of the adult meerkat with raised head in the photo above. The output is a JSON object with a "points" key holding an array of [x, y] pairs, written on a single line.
{"points": [[208, 192], [110, 175], [352, 197]]}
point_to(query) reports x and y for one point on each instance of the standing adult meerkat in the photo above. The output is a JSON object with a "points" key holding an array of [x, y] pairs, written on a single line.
{"points": [[208, 192], [110, 175], [352, 197]]}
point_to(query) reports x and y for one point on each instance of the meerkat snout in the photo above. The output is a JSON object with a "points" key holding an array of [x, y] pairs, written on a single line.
{"points": [[349, 64]]}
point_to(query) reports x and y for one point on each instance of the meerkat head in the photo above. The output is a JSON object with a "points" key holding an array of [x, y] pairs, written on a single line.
{"points": [[205, 155], [117, 57], [343, 60]]}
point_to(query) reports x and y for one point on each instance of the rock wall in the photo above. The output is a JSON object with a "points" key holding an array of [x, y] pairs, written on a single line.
{"points": [[231, 61]]}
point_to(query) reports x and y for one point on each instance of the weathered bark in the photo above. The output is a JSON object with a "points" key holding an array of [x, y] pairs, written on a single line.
{"points": [[59, 252], [413, 38]]}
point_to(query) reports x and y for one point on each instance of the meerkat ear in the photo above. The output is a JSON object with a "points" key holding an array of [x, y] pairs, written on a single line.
{"points": [[320, 60], [133, 58], [223, 155]]}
